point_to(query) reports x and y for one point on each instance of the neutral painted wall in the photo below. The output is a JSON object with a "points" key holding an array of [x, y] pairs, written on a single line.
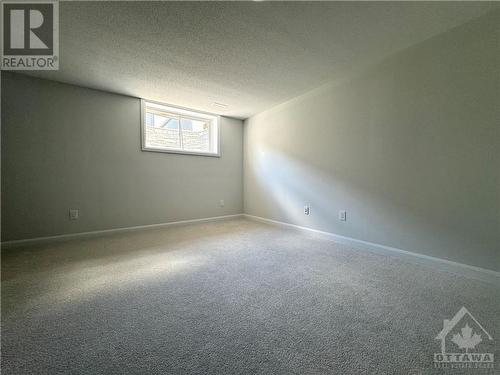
{"points": [[69, 147], [410, 148]]}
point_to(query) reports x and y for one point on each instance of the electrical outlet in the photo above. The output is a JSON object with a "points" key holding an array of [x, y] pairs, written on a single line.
{"points": [[342, 215], [307, 210], [74, 214], [221, 203]]}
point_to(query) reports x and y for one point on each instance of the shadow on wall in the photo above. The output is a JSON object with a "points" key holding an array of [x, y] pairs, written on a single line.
{"points": [[409, 148], [284, 184]]}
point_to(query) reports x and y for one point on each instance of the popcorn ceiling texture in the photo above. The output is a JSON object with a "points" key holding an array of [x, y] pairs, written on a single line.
{"points": [[248, 55]]}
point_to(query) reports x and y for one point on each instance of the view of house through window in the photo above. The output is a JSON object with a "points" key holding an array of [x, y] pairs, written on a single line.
{"points": [[170, 129]]}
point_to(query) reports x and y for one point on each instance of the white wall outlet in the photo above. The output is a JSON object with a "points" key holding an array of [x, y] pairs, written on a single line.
{"points": [[307, 210], [342, 215], [221, 203], [74, 214]]}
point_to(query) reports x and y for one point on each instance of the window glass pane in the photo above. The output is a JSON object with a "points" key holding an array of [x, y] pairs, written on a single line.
{"points": [[195, 135], [149, 119], [162, 131], [167, 128]]}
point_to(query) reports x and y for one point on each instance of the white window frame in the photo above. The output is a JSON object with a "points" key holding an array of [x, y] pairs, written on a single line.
{"points": [[185, 113]]}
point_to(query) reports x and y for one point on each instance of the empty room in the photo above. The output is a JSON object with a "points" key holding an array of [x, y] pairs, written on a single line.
{"points": [[250, 187]]}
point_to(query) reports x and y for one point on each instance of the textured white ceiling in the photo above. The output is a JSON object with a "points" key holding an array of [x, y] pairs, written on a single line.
{"points": [[248, 55]]}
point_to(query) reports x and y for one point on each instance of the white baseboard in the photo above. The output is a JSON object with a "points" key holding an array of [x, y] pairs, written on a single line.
{"points": [[72, 236], [442, 264], [461, 269]]}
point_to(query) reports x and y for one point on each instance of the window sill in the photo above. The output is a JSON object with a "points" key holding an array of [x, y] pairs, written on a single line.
{"points": [[181, 152]]}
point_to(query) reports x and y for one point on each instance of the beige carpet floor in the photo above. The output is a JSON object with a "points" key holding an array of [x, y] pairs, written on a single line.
{"points": [[230, 297]]}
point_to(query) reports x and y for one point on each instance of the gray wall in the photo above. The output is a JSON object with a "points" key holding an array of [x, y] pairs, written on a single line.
{"points": [[69, 147], [410, 148]]}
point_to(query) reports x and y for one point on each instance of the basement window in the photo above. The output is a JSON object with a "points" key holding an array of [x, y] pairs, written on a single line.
{"points": [[178, 130]]}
